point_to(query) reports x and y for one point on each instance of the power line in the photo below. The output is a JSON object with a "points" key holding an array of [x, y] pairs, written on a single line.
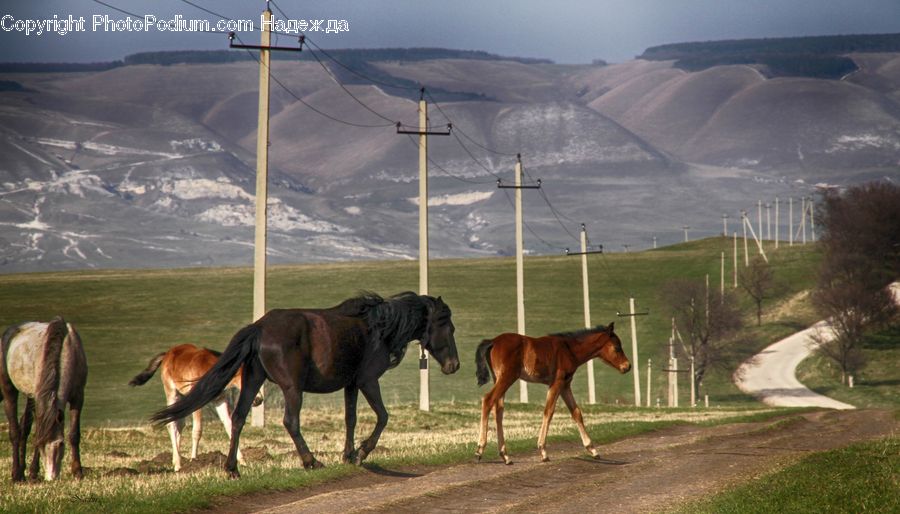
{"points": [[451, 175], [476, 143], [312, 108], [336, 81]]}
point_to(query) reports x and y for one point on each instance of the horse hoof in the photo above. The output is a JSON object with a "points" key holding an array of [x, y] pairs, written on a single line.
{"points": [[360, 457], [234, 475], [314, 464], [507, 460]]}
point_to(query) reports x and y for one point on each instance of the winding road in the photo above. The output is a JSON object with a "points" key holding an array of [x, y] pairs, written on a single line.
{"points": [[771, 374]]}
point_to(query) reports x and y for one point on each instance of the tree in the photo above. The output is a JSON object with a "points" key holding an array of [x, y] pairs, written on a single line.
{"points": [[706, 324], [758, 281], [861, 247]]}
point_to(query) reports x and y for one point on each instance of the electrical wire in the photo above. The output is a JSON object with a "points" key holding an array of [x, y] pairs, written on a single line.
{"points": [[312, 108]]}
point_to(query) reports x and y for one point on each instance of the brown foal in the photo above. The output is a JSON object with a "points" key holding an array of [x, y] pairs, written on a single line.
{"points": [[550, 360]]}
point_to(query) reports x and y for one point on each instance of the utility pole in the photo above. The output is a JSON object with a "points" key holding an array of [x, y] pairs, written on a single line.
{"points": [[423, 133], [776, 223], [520, 268], [592, 393], [262, 180], [685, 233], [790, 221], [654, 242], [735, 267], [803, 217], [744, 226], [759, 217], [758, 242], [634, 350], [812, 219], [768, 222], [722, 278], [724, 225], [649, 370]]}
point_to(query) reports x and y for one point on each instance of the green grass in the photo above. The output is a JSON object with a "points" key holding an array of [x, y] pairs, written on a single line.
{"points": [[127, 316], [860, 478], [876, 386]]}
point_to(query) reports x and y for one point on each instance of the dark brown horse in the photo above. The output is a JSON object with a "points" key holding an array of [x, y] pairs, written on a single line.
{"points": [[550, 360], [46, 362], [345, 347], [182, 365]]}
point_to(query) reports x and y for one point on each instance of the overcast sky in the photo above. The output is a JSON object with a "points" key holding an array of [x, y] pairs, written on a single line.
{"points": [[565, 31]]}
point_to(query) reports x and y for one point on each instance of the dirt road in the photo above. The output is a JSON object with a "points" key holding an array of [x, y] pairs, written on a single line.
{"points": [[641, 474]]}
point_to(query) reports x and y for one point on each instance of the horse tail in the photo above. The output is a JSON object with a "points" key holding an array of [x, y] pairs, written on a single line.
{"points": [[483, 370], [47, 410], [142, 377], [244, 347]]}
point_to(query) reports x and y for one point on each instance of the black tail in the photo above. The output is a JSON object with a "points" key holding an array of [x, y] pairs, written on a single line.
{"points": [[244, 347], [142, 377], [483, 371], [48, 416]]}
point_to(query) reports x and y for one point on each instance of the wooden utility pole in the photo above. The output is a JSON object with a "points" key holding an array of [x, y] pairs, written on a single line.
{"points": [[262, 172], [423, 133], [520, 261]]}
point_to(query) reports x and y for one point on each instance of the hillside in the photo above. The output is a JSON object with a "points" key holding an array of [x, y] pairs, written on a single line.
{"points": [[137, 164]]}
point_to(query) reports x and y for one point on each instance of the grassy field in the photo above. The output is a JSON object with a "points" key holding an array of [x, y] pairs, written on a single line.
{"points": [[859, 478], [127, 316]]}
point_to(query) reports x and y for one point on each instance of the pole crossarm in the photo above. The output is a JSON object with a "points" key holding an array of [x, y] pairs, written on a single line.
{"points": [[420, 132], [586, 252], [627, 314], [232, 44], [500, 185]]}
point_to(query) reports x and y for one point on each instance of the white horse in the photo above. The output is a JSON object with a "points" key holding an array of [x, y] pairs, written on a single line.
{"points": [[46, 362]]}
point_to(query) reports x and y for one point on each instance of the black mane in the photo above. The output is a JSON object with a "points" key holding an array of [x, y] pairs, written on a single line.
{"points": [[397, 321], [583, 332]]}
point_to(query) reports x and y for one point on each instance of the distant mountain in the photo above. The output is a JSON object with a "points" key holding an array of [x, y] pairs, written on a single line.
{"points": [[153, 164]]}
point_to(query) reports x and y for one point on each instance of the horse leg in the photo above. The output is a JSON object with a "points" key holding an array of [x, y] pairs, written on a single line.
{"points": [[372, 392], [293, 402], [501, 441], [225, 418], [17, 444], [549, 407], [490, 399], [569, 398], [74, 437], [351, 393], [25, 429], [196, 432], [251, 380], [174, 430]]}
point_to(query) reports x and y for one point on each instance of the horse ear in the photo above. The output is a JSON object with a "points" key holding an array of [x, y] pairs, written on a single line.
{"points": [[610, 327]]}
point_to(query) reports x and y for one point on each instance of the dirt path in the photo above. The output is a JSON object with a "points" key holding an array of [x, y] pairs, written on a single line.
{"points": [[647, 473]]}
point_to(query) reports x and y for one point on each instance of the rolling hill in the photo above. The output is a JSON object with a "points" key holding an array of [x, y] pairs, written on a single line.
{"points": [[132, 164]]}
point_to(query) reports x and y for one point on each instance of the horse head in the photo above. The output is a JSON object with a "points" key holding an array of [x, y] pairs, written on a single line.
{"points": [[437, 337], [611, 351]]}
